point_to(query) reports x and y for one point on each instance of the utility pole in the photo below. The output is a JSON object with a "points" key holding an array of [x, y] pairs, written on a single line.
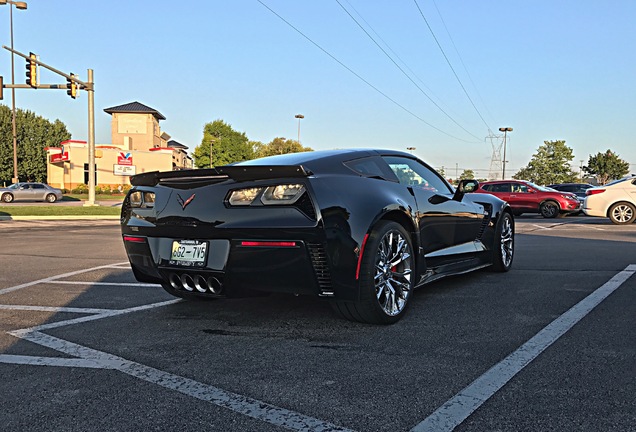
{"points": [[73, 84]]}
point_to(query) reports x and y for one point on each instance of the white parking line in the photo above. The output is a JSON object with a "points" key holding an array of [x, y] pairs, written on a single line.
{"points": [[52, 278], [107, 314], [55, 309], [132, 284], [463, 404], [241, 404], [50, 361]]}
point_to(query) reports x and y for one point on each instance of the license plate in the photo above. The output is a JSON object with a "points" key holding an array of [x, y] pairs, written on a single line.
{"points": [[190, 253]]}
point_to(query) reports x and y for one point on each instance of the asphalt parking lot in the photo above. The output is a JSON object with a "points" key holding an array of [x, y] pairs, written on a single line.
{"points": [[548, 346]]}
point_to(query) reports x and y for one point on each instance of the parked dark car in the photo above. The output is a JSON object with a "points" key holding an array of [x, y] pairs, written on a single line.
{"points": [[526, 197], [577, 189], [361, 228], [29, 191]]}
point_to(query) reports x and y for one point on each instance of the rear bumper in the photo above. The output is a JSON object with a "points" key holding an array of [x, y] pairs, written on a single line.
{"points": [[594, 212], [298, 267]]}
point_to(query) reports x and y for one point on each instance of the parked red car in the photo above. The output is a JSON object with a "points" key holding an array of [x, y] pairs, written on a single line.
{"points": [[526, 197]]}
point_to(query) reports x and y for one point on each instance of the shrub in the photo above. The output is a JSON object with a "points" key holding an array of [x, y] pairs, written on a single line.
{"points": [[80, 189]]}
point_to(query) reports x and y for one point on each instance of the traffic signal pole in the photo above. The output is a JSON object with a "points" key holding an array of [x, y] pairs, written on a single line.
{"points": [[73, 84]]}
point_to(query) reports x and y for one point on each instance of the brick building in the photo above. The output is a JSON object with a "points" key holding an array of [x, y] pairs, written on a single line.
{"points": [[137, 145]]}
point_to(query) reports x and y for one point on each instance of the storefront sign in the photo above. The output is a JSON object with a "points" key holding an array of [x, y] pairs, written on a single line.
{"points": [[59, 157], [124, 158], [124, 170]]}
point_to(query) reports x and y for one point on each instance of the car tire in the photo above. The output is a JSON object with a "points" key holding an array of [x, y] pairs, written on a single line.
{"points": [[386, 277], [51, 198], [549, 209], [7, 197], [622, 213], [504, 244]]}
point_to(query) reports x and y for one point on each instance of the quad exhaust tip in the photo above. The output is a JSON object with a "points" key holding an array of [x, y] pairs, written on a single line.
{"points": [[198, 282]]}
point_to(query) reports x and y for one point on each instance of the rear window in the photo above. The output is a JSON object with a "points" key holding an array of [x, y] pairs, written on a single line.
{"points": [[371, 167]]}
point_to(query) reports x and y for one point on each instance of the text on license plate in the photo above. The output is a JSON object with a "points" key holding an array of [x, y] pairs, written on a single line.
{"points": [[188, 252]]}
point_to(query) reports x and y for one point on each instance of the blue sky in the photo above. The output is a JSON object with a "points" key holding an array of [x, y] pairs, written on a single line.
{"points": [[549, 69]]}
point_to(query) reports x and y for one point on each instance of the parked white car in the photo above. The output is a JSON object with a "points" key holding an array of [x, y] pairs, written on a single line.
{"points": [[615, 200]]}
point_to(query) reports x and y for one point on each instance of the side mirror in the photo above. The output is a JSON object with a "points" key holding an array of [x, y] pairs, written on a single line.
{"points": [[464, 187]]}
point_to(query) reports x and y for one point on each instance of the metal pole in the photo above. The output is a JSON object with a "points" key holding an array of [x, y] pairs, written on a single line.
{"points": [[299, 116], [503, 172], [505, 130], [13, 125], [91, 140]]}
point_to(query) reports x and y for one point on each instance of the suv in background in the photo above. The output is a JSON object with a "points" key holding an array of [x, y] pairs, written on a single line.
{"points": [[577, 189], [526, 197]]}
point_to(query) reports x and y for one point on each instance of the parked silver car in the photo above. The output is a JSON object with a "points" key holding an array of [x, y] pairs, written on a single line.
{"points": [[30, 192]]}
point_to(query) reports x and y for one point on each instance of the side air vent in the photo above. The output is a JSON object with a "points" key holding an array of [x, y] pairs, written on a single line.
{"points": [[318, 256], [485, 221], [305, 205], [125, 209]]}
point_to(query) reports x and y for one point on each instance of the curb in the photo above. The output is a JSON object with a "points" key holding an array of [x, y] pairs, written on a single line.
{"points": [[61, 217]]}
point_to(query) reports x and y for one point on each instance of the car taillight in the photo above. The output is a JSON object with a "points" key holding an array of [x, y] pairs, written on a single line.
{"points": [[273, 195], [142, 199], [594, 191]]}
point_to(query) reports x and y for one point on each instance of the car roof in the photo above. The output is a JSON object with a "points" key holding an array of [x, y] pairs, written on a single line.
{"points": [[503, 181], [320, 159]]}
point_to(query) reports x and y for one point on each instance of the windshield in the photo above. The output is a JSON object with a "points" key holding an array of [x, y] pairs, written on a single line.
{"points": [[13, 186], [541, 188]]}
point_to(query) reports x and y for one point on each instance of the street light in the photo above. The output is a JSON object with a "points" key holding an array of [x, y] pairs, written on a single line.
{"points": [[505, 130], [19, 5], [299, 116]]}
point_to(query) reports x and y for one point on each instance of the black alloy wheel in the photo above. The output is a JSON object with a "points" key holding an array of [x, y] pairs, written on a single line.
{"points": [[386, 277], [504, 244], [549, 209]]}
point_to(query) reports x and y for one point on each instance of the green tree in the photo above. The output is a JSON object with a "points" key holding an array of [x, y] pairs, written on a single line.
{"points": [[225, 144], [34, 133], [550, 164], [467, 174], [606, 166], [278, 146]]}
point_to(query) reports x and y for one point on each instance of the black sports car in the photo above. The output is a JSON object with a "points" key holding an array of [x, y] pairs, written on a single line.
{"points": [[361, 228]]}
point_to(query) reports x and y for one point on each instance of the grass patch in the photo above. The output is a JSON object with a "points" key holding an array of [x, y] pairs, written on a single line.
{"points": [[53, 210], [98, 197]]}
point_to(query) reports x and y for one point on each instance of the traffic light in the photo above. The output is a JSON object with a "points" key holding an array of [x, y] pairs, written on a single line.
{"points": [[72, 87], [32, 71]]}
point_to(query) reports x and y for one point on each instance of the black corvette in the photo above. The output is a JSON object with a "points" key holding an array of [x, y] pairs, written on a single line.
{"points": [[361, 228]]}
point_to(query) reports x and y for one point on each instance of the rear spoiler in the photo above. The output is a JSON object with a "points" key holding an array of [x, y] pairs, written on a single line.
{"points": [[235, 172], [263, 172]]}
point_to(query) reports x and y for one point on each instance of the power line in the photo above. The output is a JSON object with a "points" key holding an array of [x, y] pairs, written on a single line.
{"points": [[395, 54], [461, 60], [404, 73], [450, 65], [358, 76]]}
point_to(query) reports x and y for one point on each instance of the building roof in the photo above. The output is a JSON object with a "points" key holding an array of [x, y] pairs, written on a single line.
{"points": [[135, 108], [174, 144]]}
